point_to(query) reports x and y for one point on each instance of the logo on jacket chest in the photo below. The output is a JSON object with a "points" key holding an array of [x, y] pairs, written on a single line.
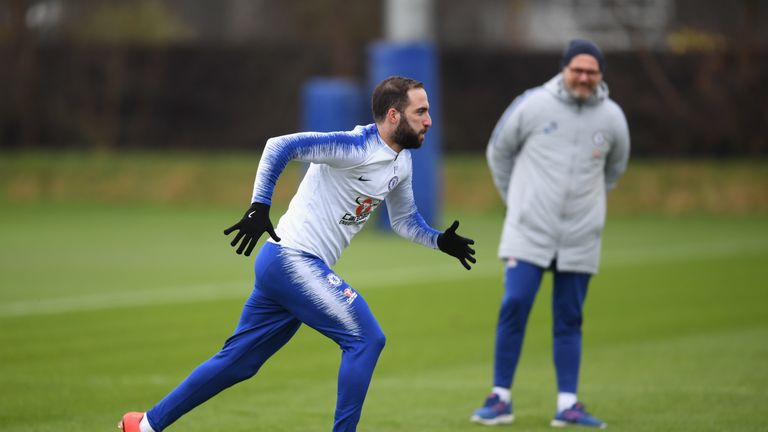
{"points": [[363, 210], [550, 127], [599, 144]]}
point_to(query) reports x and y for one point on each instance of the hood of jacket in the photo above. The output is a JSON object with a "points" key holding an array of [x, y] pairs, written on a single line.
{"points": [[556, 86]]}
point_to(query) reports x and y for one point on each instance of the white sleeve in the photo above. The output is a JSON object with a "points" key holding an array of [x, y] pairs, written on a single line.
{"points": [[405, 218], [335, 148]]}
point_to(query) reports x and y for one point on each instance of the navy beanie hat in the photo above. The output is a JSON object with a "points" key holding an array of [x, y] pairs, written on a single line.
{"points": [[582, 46]]}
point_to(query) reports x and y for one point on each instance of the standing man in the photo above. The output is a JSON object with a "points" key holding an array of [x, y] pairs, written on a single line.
{"points": [[350, 174], [553, 155]]}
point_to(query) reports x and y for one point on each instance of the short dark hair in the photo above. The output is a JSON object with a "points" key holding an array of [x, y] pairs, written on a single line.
{"points": [[392, 93]]}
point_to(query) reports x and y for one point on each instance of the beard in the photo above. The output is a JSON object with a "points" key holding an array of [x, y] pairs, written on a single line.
{"points": [[581, 92], [406, 137]]}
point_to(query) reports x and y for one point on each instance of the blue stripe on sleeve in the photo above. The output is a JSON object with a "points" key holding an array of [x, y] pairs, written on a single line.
{"points": [[415, 228], [318, 147]]}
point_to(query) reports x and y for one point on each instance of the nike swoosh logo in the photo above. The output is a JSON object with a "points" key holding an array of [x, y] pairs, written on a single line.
{"points": [[361, 178], [250, 215]]}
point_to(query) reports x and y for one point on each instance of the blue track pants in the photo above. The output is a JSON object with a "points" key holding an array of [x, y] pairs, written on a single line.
{"points": [[291, 288], [521, 284]]}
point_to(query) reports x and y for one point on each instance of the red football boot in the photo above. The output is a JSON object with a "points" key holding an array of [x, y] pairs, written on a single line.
{"points": [[130, 422]]}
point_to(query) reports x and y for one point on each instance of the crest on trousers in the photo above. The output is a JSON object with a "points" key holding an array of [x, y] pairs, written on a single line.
{"points": [[350, 294], [333, 279]]}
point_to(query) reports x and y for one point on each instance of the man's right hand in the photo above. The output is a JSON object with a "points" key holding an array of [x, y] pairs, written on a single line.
{"points": [[254, 223]]}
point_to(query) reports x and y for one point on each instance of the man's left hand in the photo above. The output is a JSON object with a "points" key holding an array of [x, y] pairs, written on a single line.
{"points": [[456, 245]]}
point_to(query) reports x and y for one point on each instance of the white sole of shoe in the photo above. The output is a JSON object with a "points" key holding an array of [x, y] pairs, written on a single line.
{"points": [[561, 424], [505, 419]]}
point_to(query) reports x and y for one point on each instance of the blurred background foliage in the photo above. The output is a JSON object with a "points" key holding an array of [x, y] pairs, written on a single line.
{"points": [[139, 22], [215, 76]]}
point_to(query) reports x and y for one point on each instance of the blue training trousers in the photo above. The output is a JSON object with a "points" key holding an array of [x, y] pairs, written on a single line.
{"points": [[292, 287], [521, 284]]}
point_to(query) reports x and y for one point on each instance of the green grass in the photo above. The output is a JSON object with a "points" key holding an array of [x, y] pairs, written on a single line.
{"points": [[104, 309]]}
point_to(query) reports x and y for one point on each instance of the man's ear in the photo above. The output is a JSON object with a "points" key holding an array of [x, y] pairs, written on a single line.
{"points": [[393, 115]]}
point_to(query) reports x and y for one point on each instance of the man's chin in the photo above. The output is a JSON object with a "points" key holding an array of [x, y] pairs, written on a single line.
{"points": [[412, 144], [582, 95]]}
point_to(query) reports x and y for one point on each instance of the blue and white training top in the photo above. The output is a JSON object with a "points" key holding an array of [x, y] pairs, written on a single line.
{"points": [[350, 174]]}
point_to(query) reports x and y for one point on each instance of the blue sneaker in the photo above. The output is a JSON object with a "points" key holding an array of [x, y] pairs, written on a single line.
{"points": [[493, 412], [576, 415]]}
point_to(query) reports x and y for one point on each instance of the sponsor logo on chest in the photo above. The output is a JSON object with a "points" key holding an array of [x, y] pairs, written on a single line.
{"points": [[364, 207]]}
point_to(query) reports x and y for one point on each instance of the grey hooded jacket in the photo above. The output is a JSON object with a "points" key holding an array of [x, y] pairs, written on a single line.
{"points": [[553, 159]]}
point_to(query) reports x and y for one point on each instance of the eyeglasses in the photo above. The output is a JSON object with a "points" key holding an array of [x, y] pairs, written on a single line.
{"points": [[590, 73]]}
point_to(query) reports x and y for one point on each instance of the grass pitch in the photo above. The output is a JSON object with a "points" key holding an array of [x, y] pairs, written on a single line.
{"points": [[106, 309]]}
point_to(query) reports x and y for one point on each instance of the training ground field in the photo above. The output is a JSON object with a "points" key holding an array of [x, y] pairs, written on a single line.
{"points": [[104, 309]]}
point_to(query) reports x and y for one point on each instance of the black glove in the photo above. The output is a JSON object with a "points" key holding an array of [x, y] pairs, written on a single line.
{"points": [[456, 245], [253, 224]]}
